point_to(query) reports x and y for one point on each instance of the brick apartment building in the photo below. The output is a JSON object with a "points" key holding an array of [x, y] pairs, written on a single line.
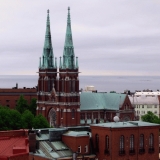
{"points": [[9, 96], [132, 140]]}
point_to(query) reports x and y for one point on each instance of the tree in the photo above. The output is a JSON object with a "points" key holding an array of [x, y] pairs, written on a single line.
{"points": [[15, 120], [40, 122], [150, 117], [22, 104], [33, 106], [9, 119], [27, 119]]}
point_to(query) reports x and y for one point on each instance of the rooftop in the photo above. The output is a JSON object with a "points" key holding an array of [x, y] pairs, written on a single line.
{"points": [[101, 101], [13, 144], [144, 99], [77, 134], [126, 124]]}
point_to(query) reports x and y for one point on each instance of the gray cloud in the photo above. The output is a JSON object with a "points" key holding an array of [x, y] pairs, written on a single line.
{"points": [[110, 37]]}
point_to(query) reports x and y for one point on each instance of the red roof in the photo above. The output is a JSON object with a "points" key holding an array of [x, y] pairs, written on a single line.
{"points": [[13, 146]]}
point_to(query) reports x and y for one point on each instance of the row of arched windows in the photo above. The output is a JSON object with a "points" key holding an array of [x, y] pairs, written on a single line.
{"points": [[72, 113], [131, 143]]}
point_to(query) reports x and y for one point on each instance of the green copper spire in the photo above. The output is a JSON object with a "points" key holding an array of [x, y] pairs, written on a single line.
{"points": [[68, 53], [47, 56]]}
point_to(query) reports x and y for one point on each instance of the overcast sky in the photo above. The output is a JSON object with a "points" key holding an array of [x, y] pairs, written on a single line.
{"points": [[111, 37]]}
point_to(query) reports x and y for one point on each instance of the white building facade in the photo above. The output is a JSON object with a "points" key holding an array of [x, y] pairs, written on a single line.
{"points": [[144, 102]]}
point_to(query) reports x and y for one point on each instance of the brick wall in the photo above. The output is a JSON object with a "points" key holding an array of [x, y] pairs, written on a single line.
{"points": [[74, 142], [9, 97], [114, 142], [14, 133]]}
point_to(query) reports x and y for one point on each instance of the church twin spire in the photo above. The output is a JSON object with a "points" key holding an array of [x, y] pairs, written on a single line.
{"points": [[47, 60]]}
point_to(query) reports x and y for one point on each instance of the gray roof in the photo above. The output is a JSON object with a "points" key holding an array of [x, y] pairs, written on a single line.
{"points": [[77, 134], [53, 150], [143, 99], [125, 124], [100, 101]]}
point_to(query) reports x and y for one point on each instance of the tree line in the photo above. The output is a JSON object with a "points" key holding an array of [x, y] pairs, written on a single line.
{"points": [[150, 117], [22, 117]]}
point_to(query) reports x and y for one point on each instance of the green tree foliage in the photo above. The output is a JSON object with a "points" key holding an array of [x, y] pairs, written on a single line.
{"points": [[33, 106], [150, 117], [22, 104], [27, 119], [15, 120], [9, 119], [40, 122]]}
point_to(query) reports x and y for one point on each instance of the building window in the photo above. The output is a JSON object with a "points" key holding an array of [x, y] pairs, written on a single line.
{"points": [[149, 106], [49, 85], [155, 106], [73, 85], [141, 144], [62, 85], [86, 149], [121, 151], [61, 113], [79, 149], [155, 112], [102, 115], [88, 116], [82, 116], [131, 149], [73, 113], [106, 151], [7, 100], [42, 84], [151, 143], [97, 143]]}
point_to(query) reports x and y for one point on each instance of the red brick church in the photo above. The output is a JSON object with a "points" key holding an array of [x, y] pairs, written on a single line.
{"points": [[58, 89], [59, 99]]}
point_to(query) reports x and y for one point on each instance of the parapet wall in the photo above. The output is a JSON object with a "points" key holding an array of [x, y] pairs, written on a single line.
{"points": [[14, 133]]}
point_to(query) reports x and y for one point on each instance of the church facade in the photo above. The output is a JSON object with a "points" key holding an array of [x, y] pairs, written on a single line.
{"points": [[58, 96]]}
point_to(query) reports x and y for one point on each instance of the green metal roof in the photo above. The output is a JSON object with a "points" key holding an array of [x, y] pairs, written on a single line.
{"points": [[125, 124], [101, 101]]}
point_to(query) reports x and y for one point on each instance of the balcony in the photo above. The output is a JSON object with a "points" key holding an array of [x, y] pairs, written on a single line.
{"points": [[151, 150], [132, 151], [122, 152], [141, 151]]}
